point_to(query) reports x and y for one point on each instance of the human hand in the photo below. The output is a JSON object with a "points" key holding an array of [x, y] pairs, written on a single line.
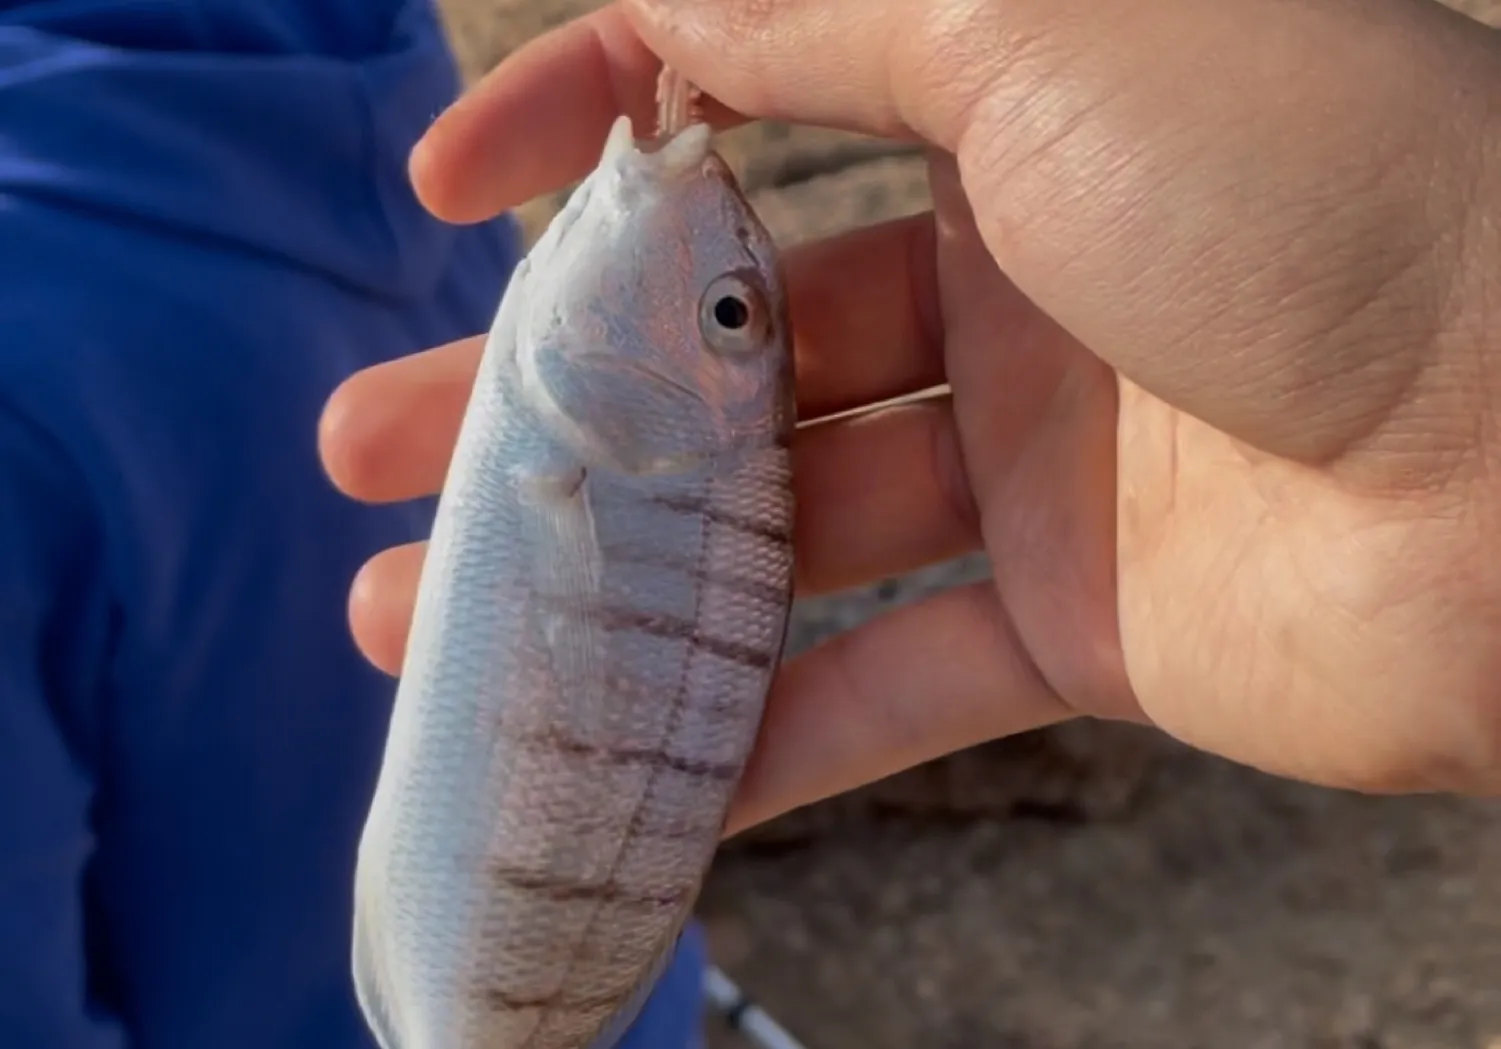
{"points": [[1209, 284]]}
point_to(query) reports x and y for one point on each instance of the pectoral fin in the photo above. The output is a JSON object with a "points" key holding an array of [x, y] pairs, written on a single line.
{"points": [[566, 574]]}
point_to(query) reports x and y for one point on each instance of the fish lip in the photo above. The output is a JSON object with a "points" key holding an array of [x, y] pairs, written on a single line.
{"points": [[666, 155], [685, 151]]}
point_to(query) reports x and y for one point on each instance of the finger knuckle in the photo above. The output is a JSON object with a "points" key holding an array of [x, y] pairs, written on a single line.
{"points": [[946, 64]]}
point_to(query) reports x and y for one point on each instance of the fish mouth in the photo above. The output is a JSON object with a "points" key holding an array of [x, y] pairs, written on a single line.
{"points": [[666, 155]]}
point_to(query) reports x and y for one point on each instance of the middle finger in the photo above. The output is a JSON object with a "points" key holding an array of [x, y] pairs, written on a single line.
{"points": [[876, 496], [556, 97]]}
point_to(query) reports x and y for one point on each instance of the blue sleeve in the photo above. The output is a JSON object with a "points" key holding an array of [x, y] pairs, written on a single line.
{"points": [[674, 1014], [46, 549]]}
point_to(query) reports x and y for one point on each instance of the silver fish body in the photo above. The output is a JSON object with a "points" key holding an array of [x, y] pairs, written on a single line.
{"points": [[601, 610]]}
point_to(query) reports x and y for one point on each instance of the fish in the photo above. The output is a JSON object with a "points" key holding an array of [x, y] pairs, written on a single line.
{"points": [[601, 611]]}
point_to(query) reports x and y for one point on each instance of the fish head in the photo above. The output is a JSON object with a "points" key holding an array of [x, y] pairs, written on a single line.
{"points": [[654, 333]]}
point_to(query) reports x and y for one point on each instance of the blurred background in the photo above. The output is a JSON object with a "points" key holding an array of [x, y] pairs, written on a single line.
{"points": [[1089, 887]]}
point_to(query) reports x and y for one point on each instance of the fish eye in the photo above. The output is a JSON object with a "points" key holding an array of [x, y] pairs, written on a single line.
{"points": [[731, 312], [733, 315]]}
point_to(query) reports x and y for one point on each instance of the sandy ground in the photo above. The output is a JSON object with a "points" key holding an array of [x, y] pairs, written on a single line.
{"points": [[1088, 888]]}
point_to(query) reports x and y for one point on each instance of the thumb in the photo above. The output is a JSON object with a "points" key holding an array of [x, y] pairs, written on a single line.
{"points": [[1259, 213]]}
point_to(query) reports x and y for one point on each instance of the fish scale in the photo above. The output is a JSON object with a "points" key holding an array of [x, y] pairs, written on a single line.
{"points": [[601, 609]]}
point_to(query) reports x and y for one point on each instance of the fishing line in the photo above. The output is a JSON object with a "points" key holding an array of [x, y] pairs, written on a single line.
{"points": [[741, 1013]]}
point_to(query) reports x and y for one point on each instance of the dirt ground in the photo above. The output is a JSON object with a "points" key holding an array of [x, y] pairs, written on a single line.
{"points": [[1094, 887]]}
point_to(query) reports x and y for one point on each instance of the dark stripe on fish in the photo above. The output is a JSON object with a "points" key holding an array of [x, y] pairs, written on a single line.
{"points": [[658, 624], [651, 757], [696, 506], [565, 890], [618, 618], [499, 998], [746, 586]]}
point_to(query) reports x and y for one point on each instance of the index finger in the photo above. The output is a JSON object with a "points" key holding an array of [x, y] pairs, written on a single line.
{"points": [[900, 69], [538, 120]]}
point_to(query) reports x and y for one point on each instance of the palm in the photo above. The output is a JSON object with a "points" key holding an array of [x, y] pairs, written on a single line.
{"points": [[1275, 612], [1154, 567]]}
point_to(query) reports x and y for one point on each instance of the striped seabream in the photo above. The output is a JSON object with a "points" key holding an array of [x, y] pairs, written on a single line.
{"points": [[600, 613]]}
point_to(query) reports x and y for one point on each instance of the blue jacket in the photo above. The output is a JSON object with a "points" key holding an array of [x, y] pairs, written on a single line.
{"points": [[204, 226]]}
